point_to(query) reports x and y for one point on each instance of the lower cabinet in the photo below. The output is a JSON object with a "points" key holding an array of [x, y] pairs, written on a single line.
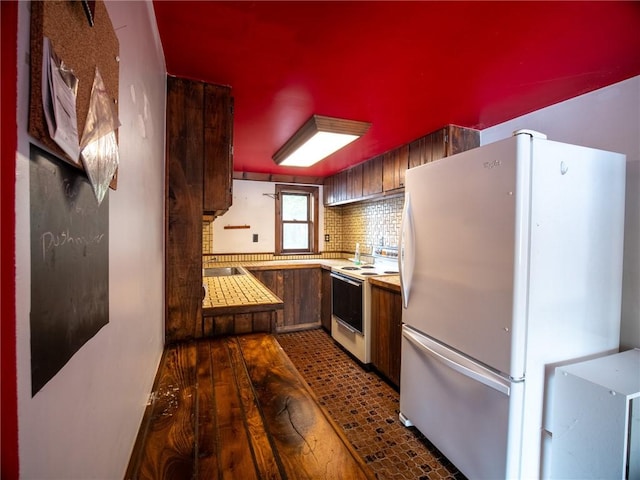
{"points": [[325, 313], [386, 332], [238, 323], [301, 291]]}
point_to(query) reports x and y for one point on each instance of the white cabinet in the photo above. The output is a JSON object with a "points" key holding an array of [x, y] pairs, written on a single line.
{"points": [[596, 418]]}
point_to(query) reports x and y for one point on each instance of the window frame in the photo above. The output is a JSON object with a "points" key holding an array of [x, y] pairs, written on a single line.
{"points": [[311, 193]]}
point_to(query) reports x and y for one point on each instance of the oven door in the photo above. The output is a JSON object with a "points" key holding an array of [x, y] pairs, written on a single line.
{"points": [[346, 302]]}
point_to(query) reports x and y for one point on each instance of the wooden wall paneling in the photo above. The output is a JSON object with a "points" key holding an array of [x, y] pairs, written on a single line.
{"points": [[184, 210]]}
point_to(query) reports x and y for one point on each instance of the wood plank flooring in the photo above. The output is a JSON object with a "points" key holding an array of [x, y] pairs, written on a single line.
{"points": [[236, 407]]}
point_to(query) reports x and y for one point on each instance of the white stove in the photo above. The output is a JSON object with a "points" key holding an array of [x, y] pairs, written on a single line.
{"points": [[385, 262], [351, 301]]}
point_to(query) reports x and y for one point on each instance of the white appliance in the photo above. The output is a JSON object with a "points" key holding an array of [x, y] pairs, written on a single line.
{"points": [[351, 301], [510, 264]]}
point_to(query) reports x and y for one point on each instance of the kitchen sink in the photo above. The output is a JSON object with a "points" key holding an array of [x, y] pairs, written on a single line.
{"points": [[221, 271]]}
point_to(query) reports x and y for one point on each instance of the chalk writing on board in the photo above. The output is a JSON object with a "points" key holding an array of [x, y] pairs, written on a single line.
{"points": [[69, 264], [51, 241]]}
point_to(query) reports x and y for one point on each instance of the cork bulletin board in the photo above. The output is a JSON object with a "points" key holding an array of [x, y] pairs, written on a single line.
{"points": [[83, 48]]}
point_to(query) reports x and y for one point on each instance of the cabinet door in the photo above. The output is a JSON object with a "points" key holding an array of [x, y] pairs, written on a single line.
{"points": [[326, 300], [428, 148], [274, 281], [340, 186], [372, 176], [302, 298], [183, 264], [354, 183], [461, 139], [394, 167], [442, 143], [386, 332], [328, 190], [218, 157]]}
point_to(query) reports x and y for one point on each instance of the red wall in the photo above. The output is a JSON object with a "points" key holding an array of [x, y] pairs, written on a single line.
{"points": [[8, 145]]}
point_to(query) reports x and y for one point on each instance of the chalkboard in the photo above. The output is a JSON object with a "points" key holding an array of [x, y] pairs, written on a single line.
{"points": [[69, 264]]}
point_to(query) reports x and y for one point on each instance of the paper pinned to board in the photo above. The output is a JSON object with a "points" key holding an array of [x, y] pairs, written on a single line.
{"points": [[99, 154], [59, 92]]}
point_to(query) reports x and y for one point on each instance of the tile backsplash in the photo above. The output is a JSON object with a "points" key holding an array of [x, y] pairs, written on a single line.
{"points": [[207, 237], [367, 223], [370, 224]]}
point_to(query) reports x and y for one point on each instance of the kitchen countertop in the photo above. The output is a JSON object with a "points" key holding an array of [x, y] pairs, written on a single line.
{"points": [[226, 293], [391, 282], [236, 291]]}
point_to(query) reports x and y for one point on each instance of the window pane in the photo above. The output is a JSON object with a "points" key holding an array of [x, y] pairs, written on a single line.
{"points": [[295, 236], [295, 207]]}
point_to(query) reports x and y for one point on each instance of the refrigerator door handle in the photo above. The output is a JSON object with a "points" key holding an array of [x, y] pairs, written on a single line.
{"points": [[407, 250], [477, 373]]}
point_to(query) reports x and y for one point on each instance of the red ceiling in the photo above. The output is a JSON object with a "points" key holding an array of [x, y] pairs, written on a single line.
{"points": [[407, 67]]}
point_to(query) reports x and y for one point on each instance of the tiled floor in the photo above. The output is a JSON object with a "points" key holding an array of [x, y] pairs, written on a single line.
{"points": [[367, 409]]}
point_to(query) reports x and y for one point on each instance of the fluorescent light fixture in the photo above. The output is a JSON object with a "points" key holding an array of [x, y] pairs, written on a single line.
{"points": [[318, 138]]}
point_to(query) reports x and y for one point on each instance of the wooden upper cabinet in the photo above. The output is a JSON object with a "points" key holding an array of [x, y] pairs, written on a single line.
{"points": [[183, 254], [394, 167], [218, 149], [442, 143], [372, 176], [354, 182], [198, 170], [385, 174]]}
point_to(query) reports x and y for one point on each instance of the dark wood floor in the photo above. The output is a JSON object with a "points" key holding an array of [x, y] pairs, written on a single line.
{"points": [[236, 407]]}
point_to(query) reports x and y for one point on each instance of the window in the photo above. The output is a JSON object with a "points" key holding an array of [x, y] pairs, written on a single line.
{"points": [[296, 219]]}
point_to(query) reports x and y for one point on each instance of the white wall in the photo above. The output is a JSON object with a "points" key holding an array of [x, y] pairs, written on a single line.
{"points": [[83, 422], [251, 207], [608, 119]]}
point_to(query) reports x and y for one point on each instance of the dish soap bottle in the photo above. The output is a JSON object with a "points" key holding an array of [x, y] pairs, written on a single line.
{"points": [[357, 259]]}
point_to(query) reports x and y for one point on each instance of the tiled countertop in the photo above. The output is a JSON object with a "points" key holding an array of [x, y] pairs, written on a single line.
{"points": [[246, 291]]}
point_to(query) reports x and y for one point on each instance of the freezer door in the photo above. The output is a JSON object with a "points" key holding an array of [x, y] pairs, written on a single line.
{"points": [[472, 415], [461, 239]]}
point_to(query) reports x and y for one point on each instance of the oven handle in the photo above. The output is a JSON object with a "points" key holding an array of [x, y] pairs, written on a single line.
{"points": [[346, 325], [352, 282]]}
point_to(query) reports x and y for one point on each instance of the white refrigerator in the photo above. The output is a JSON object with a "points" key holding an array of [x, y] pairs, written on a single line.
{"points": [[510, 265]]}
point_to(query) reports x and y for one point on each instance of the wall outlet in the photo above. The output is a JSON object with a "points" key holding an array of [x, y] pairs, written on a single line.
{"points": [[255, 238], [327, 237]]}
